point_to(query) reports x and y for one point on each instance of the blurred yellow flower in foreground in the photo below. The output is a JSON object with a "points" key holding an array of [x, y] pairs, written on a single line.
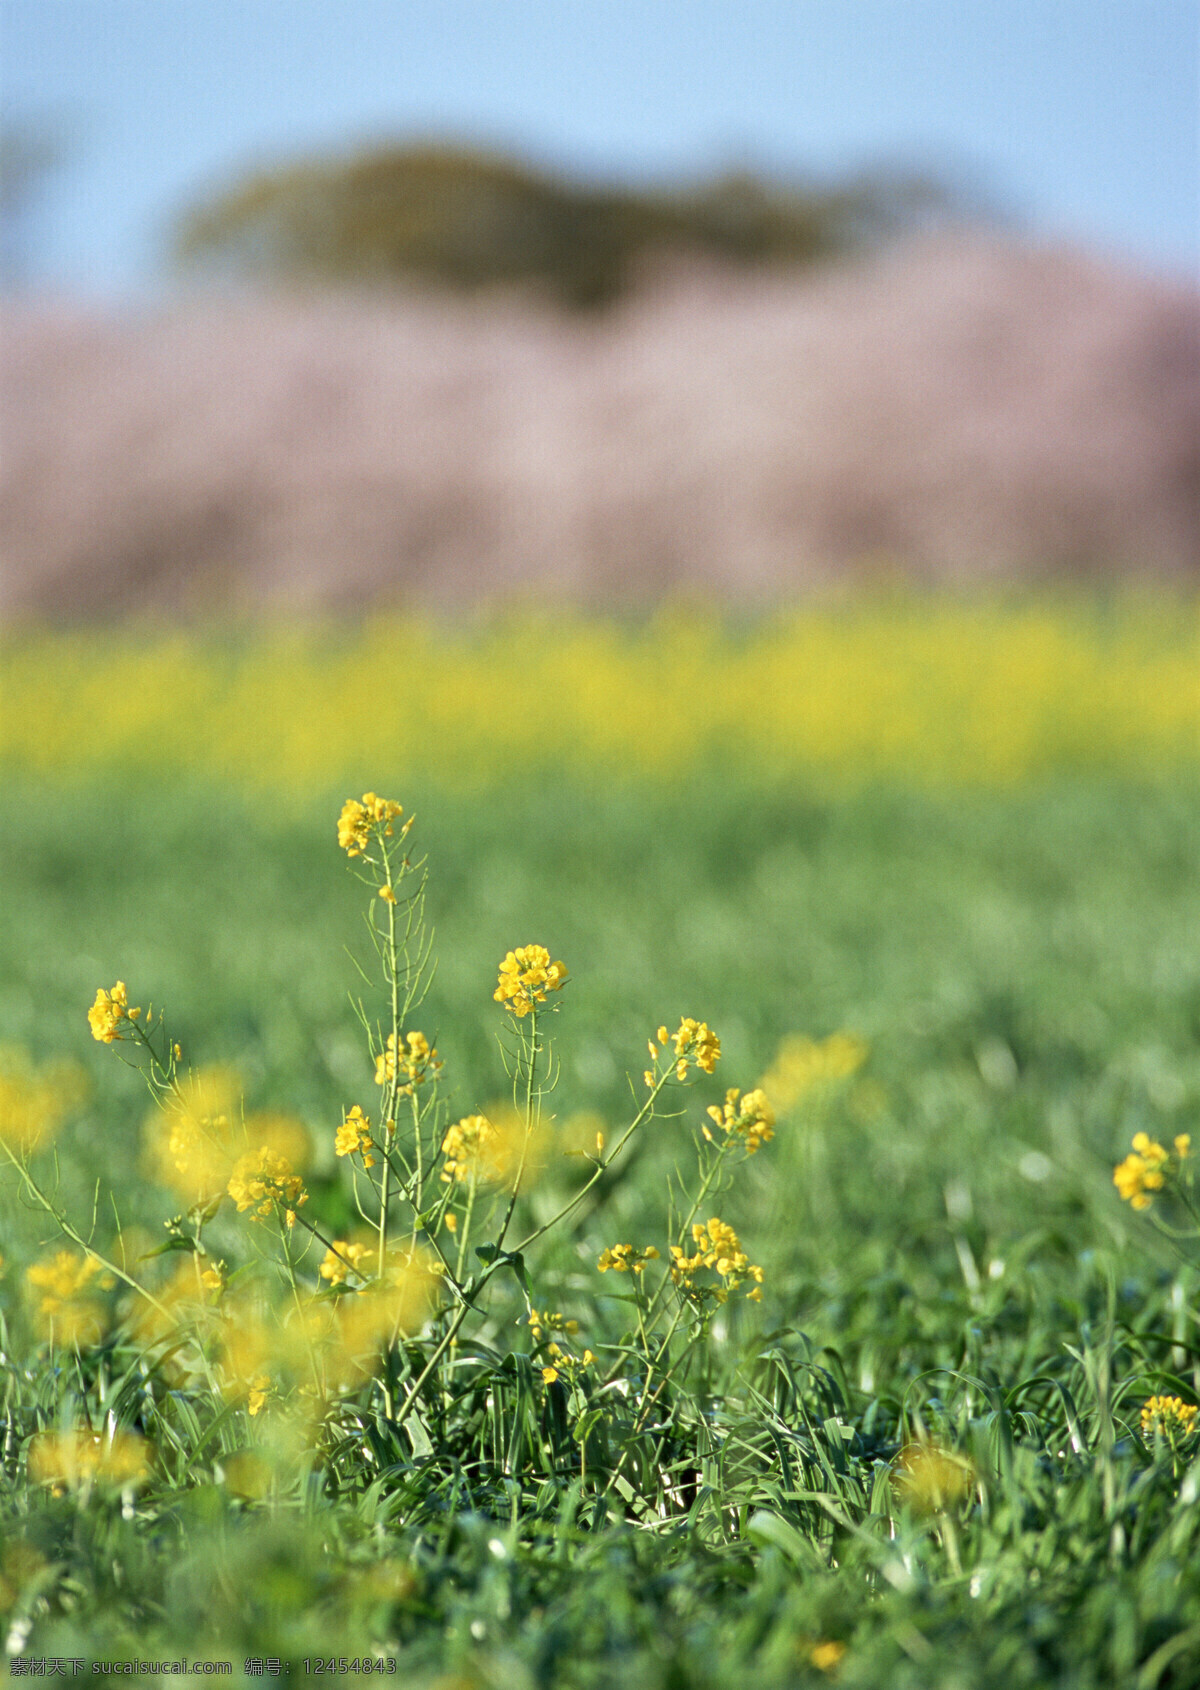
{"points": [[80, 1458], [62, 1288], [931, 1478], [34, 1102]]}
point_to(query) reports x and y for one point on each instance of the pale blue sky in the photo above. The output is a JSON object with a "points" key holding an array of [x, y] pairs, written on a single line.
{"points": [[1080, 116]]}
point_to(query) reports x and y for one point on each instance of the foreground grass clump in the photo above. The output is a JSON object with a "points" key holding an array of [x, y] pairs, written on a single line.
{"points": [[951, 1444], [927, 689]]}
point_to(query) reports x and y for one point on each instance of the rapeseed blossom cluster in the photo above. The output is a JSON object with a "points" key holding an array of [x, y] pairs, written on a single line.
{"points": [[750, 1118], [342, 1259], [34, 1102], [526, 975], [353, 1137], [623, 1258], [560, 1361], [692, 1042], [263, 1179], [62, 1288], [110, 1013], [193, 1141], [932, 1478], [1169, 1418], [466, 1147], [717, 1247], [1144, 1171], [412, 1057], [548, 1321], [358, 822], [802, 1065], [80, 1458]]}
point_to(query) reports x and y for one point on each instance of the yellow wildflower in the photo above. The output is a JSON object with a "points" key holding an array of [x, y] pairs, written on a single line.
{"points": [[545, 1322], [694, 1041], [623, 1258], [353, 1137], [502, 1148], [1183, 1145], [802, 1065], [65, 1306], [931, 1478], [263, 1178], [718, 1248], [826, 1656], [34, 1102], [751, 1119], [256, 1399], [388, 893], [414, 1059], [213, 1279], [549, 1375], [373, 1318], [194, 1138], [465, 1147], [1168, 1417], [109, 1012], [1142, 1171], [358, 821], [526, 975], [342, 1259], [83, 1458]]}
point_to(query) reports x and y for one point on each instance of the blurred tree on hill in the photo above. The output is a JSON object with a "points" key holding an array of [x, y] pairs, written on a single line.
{"points": [[467, 220]]}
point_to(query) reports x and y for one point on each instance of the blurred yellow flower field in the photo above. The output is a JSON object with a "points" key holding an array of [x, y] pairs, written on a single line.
{"points": [[932, 690]]}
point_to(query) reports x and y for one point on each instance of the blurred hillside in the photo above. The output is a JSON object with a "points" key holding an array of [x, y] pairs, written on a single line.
{"points": [[957, 407]]}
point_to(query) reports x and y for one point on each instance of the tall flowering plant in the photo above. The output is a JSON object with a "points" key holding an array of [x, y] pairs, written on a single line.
{"points": [[321, 1327]]}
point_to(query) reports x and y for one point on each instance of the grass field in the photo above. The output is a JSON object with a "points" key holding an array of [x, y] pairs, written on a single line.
{"points": [[920, 1460]]}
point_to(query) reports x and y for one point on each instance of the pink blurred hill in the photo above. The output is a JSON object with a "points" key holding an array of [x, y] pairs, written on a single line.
{"points": [[961, 409]]}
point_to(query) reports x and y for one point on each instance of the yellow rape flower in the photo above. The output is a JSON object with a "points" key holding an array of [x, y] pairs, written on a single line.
{"points": [[931, 1478], [353, 1137], [717, 1248], [256, 1397], [414, 1059], [342, 1259], [694, 1041], [110, 1012], [465, 1148], [826, 1656], [62, 1287], [34, 1102], [1169, 1418], [1143, 1171], [81, 1458], [263, 1178], [526, 975], [623, 1258], [802, 1065], [750, 1118], [358, 822]]}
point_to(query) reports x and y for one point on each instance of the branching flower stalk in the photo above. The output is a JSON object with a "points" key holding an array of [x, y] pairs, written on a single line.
{"points": [[389, 1307]]}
